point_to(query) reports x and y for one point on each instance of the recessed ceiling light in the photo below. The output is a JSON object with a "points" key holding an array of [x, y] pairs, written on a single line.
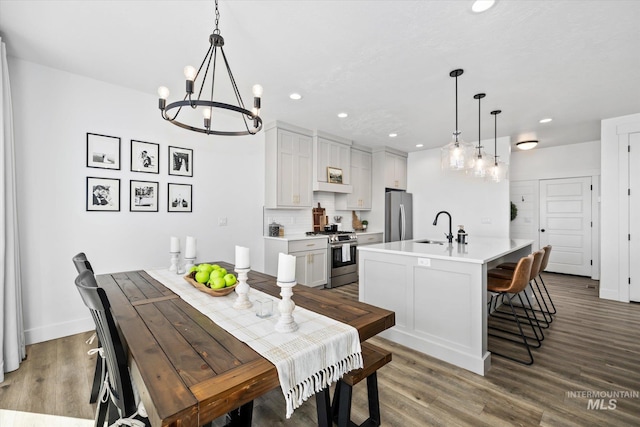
{"points": [[527, 145], [419, 145], [393, 135], [343, 115], [547, 120], [295, 96], [480, 6]]}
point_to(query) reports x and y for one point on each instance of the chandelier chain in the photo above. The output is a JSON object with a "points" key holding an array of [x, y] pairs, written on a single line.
{"points": [[217, 31]]}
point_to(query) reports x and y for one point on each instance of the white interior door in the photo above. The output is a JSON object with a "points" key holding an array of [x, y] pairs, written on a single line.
{"points": [[634, 214], [524, 194], [565, 224]]}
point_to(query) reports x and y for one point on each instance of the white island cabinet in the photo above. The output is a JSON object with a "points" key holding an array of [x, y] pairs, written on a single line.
{"points": [[438, 292]]}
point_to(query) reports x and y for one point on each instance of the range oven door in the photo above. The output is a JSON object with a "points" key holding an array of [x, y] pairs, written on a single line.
{"points": [[338, 263]]}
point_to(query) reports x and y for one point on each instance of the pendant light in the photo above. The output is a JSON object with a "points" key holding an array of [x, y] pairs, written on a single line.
{"points": [[456, 155], [480, 158], [500, 170]]}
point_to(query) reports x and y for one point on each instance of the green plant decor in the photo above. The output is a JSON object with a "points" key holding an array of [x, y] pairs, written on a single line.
{"points": [[514, 211]]}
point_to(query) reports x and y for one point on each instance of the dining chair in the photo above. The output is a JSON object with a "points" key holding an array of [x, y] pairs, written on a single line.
{"points": [[116, 400], [82, 264], [508, 289]]}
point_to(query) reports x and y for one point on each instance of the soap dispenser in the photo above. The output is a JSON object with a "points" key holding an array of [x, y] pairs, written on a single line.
{"points": [[462, 235]]}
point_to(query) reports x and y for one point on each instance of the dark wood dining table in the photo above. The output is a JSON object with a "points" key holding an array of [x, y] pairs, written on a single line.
{"points": [[190, 371]]}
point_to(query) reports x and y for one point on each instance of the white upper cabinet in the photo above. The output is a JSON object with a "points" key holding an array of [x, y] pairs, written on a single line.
{"points": [[360, 197], [288, 167], [331, 152], [395, 171]]}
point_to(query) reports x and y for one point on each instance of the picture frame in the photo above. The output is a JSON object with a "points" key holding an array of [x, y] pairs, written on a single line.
{"points": [[145, 157], [103, 194], [334, 175], [143, 196], [180, 161], [103, 151], [179, 197]]}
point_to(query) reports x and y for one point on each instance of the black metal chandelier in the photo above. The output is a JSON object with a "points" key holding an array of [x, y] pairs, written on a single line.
{"points": [[205, 103]]}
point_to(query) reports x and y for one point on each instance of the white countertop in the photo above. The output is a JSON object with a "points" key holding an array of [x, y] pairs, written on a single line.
{"points": [[479, 250], [290, 237]]}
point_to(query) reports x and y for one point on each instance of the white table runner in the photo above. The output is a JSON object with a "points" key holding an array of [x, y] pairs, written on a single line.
{"points": [[319, 353]]}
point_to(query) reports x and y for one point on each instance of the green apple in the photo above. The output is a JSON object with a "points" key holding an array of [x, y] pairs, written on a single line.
{"points": [[223, 270], [217, 283], [230, 279], [202, 276], [215, 266], [194, 268], [205, 267], [217, 273]]}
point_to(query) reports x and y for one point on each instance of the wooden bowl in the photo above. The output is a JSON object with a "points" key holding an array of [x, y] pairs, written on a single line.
{"points": [[207, 290]]}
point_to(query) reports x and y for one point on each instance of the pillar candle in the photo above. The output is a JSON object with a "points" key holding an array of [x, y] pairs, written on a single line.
{"points": [[242, 257], [175, 244], [190, 247], [286, 268]]}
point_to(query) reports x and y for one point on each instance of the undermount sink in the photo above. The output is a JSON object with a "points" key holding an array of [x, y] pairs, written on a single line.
{"points": [[430, 242]]}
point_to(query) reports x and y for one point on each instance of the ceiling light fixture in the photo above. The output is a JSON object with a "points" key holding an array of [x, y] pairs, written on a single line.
{"points": [[500, 170], [456, 155], [480, 158], [480, 6], [546, 120], [393, 135], [207, 106], [343, 115], [527, 145], [295, 96], [419, 145]]}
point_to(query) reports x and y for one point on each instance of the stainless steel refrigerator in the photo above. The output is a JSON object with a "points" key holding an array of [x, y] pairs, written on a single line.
{"points": [[398, 216]]}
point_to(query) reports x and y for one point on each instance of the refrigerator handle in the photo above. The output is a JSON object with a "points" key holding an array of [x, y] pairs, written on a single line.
{"points": [[402, 222]]}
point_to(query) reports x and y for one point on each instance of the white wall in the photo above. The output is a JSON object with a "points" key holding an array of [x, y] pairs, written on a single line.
{"points": [[481, 206], [565, 161], [53, 111]]}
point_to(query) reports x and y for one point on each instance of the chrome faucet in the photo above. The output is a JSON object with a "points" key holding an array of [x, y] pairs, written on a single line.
{"points": [[435, 222]]}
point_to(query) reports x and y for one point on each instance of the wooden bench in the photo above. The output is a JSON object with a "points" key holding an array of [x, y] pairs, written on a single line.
{"points": [[373, 359]]}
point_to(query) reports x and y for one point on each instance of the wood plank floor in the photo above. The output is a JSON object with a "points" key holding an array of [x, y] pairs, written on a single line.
{"points": [[593, 345]]}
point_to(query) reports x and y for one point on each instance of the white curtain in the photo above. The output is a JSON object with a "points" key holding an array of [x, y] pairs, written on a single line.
{"points": [[12, 349]]}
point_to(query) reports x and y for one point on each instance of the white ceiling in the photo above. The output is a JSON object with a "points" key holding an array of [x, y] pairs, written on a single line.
{"points": [[386, 63]]}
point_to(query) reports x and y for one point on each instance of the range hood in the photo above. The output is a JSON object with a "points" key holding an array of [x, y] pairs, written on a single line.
{"points": [[332, 188]]}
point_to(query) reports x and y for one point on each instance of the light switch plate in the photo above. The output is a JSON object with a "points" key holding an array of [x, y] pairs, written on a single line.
{"points": [[222, 221]]}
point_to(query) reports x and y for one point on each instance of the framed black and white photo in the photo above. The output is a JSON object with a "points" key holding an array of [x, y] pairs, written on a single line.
{"points": [[103, 194], [143, 196], [180, 161], [334, 175], [180, 198], [145, 157], [103, 151]]}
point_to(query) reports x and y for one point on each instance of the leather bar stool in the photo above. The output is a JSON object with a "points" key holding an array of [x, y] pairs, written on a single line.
{"points": [[549, 308], [508, 289], [506, 274]]}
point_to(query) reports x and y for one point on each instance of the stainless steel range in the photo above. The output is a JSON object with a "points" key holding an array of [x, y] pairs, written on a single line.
{"points": [[342, 257]]}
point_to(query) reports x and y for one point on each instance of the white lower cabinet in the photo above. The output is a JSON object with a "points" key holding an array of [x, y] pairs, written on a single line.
{"points": [[311, 258], [369, 238]]}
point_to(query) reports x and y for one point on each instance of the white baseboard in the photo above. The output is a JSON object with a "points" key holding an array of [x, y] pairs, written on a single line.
{"points": [[58, 330]]}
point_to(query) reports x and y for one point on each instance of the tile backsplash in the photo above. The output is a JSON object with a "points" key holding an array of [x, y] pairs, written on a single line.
{"points": [[299, 221]]}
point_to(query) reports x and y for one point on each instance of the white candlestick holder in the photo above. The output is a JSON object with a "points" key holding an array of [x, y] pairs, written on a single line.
{"points": [[188, 263], [242, 289], [286, 323], [175, 259]]}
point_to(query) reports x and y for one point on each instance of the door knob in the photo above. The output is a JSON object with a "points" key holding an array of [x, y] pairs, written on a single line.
{"points": [[542, 230]]}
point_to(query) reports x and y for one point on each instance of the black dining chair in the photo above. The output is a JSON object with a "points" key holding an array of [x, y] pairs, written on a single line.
{"points": [[116, 399], [82, 264]]}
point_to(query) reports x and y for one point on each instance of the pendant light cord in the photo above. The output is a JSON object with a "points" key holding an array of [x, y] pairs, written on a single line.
{"points": [[457, 132]]}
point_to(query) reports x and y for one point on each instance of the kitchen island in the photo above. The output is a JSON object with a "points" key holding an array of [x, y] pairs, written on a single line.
{"points": [[438, 292]]}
